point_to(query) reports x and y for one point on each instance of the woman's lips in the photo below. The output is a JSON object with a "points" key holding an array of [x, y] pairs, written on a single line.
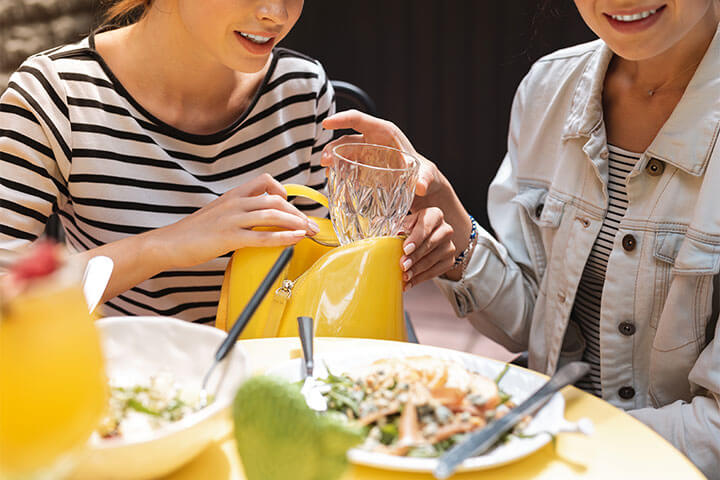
{"points": [[645, 19], [254, 47]]}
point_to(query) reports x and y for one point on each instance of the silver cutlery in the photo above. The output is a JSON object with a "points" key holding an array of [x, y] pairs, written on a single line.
{"points": [[312, 388], [479, 442]]}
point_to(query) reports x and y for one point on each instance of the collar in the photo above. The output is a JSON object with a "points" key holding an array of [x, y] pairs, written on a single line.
{"points": [[687, 138]]}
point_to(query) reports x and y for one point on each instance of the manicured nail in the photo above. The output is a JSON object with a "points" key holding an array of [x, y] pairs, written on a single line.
{"points": [[314, 228], [406, 287], [298, 233], [409, 248], [406, 264]]}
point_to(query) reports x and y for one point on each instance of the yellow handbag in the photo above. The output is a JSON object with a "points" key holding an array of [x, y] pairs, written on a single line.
{"points": [[354, 290]]}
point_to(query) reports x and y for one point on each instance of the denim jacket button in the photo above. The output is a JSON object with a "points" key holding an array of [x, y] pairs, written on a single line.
{"points": [[626, 328], [626, 393], [628, 243], [655, 167]]}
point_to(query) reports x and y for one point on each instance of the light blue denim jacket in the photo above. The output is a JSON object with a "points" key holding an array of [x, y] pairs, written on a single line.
{"points": [[546, 205]]}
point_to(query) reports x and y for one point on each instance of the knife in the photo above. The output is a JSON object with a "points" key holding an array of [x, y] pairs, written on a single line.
{"points": [[479, 442]]}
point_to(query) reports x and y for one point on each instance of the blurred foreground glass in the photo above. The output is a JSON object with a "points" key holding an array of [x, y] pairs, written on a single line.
{"points": [[52, 382], [371, 188]]}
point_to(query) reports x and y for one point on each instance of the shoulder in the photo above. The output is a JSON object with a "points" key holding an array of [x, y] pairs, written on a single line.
{"points": [[298, 71], [291, 59], [561, 69], [56, 65]]}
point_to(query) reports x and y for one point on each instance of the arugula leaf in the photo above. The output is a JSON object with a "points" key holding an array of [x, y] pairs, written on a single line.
{"points": [[502, 374], [139, 407], [389, 432]]}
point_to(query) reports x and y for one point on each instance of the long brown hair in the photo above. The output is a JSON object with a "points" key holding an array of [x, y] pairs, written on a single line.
{"points": [[126, 11]]}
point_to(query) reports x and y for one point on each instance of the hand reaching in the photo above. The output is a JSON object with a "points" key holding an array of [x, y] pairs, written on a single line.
{"points": [[438, 227]]}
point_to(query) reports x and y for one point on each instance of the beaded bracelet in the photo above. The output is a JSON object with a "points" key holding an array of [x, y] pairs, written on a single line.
{"points": [[464, 256]]}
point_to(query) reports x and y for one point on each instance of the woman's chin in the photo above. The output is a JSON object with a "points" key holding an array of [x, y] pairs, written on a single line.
{"points": [[248, 65], [637, 51]]}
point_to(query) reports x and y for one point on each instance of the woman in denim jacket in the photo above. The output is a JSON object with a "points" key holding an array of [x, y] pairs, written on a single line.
{"points": [[606, 218]]}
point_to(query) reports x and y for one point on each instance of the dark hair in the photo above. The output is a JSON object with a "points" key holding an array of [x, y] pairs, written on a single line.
{"points": [[126, 11]]}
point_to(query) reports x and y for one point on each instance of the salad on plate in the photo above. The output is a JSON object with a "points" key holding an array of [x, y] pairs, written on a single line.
{"points": [[416, 406]]}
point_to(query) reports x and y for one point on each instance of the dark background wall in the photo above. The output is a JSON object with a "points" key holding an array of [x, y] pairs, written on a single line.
{"points": [[445, 71]]}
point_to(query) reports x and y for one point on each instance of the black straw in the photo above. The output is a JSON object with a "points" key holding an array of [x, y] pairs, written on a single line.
{"points": [[254, 303]]}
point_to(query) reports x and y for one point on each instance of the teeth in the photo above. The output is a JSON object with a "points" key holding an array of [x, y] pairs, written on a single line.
{"points": [[635, 17], [256, 38]]}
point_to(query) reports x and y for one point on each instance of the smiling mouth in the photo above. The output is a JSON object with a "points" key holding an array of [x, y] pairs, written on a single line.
{"points": [[255, 38], [635, 16]]}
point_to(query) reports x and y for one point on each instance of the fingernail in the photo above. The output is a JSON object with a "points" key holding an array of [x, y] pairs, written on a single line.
{"points": [[314, 228], [409, 248], [406, 287], [299, 233], [406, 264], [408, 275]]}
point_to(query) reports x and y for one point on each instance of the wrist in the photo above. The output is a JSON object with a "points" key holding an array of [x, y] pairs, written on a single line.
{"points": [[461, 260], [443, 195]]}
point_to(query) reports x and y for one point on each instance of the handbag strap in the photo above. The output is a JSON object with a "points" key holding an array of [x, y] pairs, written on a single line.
{"points": [[296, 190]]}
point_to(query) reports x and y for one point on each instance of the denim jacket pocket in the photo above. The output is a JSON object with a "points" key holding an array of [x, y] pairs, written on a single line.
{"points": [[545, 210], [683, 308], [683, 289], [543, 214]]}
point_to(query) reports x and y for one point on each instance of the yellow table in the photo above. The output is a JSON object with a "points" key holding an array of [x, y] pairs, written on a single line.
{"points": [[621, 447]]}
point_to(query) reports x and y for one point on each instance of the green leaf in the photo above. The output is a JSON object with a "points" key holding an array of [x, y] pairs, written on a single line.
{"points": [[136, 405], [502, 374], [389, 433]]}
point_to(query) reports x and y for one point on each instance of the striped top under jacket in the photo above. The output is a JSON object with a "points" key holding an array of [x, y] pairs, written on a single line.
{"points": [[586, 310], [74, 141]]}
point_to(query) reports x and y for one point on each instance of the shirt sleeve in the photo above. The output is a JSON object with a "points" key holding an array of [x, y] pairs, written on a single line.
{"points": [[692, 427], [35, 151], [499, 287]]}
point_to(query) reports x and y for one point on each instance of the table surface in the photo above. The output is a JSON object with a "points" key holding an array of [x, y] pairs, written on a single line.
{"points": [[620, 448]]}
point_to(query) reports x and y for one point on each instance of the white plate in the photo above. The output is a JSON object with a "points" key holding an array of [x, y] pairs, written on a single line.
{"points": [[136, 348], [520, 384]]}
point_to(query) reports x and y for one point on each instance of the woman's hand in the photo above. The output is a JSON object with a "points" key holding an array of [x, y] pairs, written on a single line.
{"points": [[429, 249], [380, 132], [227, 223], [438, 227], [221, 226]]}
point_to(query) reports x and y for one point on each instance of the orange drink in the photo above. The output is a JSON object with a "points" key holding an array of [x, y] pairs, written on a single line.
{"points": [[52, 381]]}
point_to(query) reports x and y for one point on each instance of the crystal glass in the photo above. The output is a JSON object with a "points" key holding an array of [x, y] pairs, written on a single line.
{"points": [[52, 382], [371, 188]]}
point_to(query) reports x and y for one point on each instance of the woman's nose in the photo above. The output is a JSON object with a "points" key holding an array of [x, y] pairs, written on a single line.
{"points": [[272, 10]]}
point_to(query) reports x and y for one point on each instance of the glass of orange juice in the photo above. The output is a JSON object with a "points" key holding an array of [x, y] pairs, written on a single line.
{"points": [[52, 382]]}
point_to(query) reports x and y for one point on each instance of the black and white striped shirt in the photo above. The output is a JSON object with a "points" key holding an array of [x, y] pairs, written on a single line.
{"points": [[586, 310], [74, 141]]}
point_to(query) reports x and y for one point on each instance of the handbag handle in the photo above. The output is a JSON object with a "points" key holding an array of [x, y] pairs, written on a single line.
{"points": [[295, 190]]}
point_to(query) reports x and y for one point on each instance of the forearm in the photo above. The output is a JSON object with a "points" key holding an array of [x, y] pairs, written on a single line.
{"points": [[494, 294], [135, 259], [456, 216]]}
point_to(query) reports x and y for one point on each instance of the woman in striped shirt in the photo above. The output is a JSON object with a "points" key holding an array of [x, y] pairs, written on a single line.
{"points": [[156, 142]]}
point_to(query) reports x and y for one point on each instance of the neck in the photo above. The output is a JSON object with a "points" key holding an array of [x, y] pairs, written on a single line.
{"points": [[675, 66], [176, 68]]}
